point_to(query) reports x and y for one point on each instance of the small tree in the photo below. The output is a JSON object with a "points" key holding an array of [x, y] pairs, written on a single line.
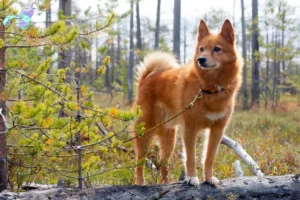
{"points": [[57, 118]]}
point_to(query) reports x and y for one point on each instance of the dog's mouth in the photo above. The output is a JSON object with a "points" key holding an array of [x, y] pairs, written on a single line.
{"points": [[206, 66]]}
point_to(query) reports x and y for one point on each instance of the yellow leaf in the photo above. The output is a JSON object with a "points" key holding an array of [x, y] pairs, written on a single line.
{"points": [[114, 111], [101, 69], [83, 89], [4, 96], [49, 141], [106, 60], [31, 76], [2, 43], [48, 122]]}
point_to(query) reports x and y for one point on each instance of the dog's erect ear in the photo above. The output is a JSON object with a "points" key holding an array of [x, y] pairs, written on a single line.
{"points": [[228, 32], [202, 30]]}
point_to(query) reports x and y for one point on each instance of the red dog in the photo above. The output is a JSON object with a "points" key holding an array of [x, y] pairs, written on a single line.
{"points": [[165, 89]]}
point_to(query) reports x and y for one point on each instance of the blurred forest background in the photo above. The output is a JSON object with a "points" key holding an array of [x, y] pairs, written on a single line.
{"points": [[67, 86]]}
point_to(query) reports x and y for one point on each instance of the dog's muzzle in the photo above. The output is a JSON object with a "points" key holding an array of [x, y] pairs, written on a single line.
{"points": [[202, 61]]}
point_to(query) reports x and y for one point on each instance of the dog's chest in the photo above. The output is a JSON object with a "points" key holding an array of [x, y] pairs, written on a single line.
{"points": [[214, 116]]}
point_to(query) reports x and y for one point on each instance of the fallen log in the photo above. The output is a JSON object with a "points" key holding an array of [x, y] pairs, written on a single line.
{"points": [[265, 188]]}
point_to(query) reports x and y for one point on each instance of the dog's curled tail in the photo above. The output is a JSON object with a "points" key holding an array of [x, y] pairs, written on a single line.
{"points": [[155, 63]]}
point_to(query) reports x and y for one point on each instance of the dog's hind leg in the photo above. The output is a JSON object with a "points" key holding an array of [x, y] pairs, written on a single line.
{"points": [[142, 145], [167, 139]]}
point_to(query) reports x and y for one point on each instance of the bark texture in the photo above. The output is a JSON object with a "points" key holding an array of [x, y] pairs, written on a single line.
{"points": [[3, 127], [176, 28], [265, 188], [66, 55], [157, 25], [138, 27], [255, 49], [131, 59], [245, 89]]}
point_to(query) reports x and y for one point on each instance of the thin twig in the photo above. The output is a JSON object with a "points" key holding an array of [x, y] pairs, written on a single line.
{"points": [[103, 27]]}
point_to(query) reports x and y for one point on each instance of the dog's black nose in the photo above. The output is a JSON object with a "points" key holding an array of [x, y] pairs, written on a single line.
{"points": [[202, 60]]}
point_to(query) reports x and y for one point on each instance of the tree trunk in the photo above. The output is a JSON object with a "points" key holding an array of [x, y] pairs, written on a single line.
{"points": [[184, 42], [48, 23], [65, 6], [267, 67], [263, 188], [118, 56], [283, 28], [48, 17], [277, 78], [255, 49], [112, 61], [157, 25], [138, 27], [131, 60], [245, 89], [176, 28], [107, 78], [97, 57], [3, 128]]}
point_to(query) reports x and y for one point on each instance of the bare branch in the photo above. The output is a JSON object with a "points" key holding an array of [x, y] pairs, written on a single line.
{"points": [[247, 159], [103, 27]]}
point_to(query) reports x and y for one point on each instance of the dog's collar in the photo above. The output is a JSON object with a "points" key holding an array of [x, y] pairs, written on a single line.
{"points": [[211, 92]]}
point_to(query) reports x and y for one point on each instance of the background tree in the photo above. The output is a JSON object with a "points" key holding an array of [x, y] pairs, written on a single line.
{"points": [[278, 22], [131, 58], [138, 27], [157, 25], [255, 92], [245, 86], [66, 8], [176, 28]]}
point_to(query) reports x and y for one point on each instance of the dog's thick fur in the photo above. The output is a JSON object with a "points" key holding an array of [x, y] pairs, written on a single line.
{"points": [[165, 89]]}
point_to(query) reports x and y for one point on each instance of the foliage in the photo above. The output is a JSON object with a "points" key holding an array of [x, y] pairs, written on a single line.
{"points": [[52, 116]]}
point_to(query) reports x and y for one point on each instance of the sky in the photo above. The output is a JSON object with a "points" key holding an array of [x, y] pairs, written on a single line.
{"points": [[191, 10]]}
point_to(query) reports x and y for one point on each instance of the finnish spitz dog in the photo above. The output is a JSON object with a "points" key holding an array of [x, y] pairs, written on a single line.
{"points": [[165, 89]]}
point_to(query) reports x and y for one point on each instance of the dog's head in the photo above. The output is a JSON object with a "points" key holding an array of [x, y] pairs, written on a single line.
{"points": [[214, 51]]}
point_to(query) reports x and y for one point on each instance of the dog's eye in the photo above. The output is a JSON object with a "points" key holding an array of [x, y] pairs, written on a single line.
{"points": [[201, 49], [217, 49]]}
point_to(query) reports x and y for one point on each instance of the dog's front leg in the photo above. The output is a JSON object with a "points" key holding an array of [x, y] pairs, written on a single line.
{"points": [[190, 138], [214, 140]]}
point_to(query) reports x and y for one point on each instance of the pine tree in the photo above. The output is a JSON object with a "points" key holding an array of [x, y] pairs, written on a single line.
{"points": [[57, 122]]}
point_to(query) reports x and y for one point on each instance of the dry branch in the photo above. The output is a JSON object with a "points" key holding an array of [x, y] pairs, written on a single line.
{"points": [[247, 159]]}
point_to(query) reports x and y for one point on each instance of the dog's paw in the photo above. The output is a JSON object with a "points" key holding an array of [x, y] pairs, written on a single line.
{"points": [[192, 180], [213, 181]]}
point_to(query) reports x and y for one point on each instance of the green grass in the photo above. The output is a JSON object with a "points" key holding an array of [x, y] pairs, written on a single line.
{"points": [[272, 139]]}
